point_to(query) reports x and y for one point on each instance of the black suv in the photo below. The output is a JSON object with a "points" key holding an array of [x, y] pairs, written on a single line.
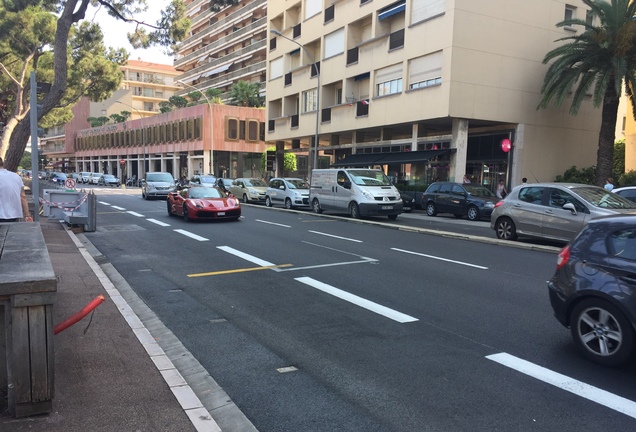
{"points": [[468, 199]]}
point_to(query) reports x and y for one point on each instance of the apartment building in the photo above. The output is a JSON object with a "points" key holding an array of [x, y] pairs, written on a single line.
{"points": [[223, 47], [426, 89]]}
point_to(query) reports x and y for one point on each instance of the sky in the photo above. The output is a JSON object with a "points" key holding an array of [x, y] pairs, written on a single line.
{"points": [[115, 32]]}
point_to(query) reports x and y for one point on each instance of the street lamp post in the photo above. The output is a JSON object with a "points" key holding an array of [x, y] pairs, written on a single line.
{"points": [[143, 136], [210, 125], [315, 66]]}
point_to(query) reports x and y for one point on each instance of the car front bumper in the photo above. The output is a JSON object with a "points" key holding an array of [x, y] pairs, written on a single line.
{"points": [[383, 209]]}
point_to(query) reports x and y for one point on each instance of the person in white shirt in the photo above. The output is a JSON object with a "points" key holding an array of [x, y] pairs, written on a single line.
{"points": [[13, 201]]}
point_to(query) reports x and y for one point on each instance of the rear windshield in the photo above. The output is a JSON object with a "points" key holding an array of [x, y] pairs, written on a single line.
{"points": [[602, 198], [255, 183], [159, 177], [369, 178]]}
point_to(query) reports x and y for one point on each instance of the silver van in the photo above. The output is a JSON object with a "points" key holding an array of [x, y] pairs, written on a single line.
{"points": [[290, 192], [358, 192], [157, 184]]}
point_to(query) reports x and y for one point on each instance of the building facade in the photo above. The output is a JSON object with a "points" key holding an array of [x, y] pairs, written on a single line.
{"points": [[426, 89], [227, 141], [223, 47]]}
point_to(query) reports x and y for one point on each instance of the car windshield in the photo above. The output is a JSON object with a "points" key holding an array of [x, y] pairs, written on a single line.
{"points": [[159, 177], [478, 191], [210, 180], [600, 197], [369, 178], [255, 183], [109, 177], [200, 193], [298, 184]]}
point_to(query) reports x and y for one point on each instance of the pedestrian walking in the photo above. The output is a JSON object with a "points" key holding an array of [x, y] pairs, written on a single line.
{"points": [[609, 185], [13, 201], [501, 189]]}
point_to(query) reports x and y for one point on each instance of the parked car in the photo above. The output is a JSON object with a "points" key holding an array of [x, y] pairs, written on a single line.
{"points": [[249, 189], [206, 180], [592, 290], [555, 211], [85, 176], [57, 178], [471, 200], [109, 180], [290, 192], [408, 203], [200, 202], [93, 178], [628, 192], [157, 184], [224, 183], [76, 177]]}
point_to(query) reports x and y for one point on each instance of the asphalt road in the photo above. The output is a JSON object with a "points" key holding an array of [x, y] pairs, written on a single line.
{"points": [[319, 324]]}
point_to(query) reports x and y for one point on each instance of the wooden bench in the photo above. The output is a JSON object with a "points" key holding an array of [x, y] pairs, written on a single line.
{"points": [[27, 292]]}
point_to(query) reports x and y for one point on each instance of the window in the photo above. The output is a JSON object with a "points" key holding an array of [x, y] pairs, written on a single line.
{"points": [[334, 43], [330, 13], [422, 10], [425, 71], [312, 7], [532, 195], [623, 244], [309, 100], [242, 129], [252, 130], [197, 129], [388, 80], [276, 68], [589, 17], [232, 128], [569, 12]]}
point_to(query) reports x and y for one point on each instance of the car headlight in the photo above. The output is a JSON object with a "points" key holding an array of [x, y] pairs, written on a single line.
{"points": [[367, 194], [252, 192], [150, 186]]}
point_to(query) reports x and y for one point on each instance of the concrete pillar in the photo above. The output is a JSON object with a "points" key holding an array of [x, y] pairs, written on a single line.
{"points": [[516, 158], [459, 141], [414, 133]]}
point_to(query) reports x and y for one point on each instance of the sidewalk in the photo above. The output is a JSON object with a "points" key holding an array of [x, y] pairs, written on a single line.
{"points": [[105, 380]]}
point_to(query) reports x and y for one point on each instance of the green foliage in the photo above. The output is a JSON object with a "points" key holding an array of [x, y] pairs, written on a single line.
{"points": [[25, 162], [627, 179], [246, 94], [595, 60], [121, 117], [97, 121], [178, 101], [165, 107], [212, 93], [195, 96], [619, 158], [290, 163], [573, 175]]}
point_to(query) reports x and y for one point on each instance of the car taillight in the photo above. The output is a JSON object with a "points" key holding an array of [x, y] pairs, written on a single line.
{"points": [[563, 257], [499, 203]]}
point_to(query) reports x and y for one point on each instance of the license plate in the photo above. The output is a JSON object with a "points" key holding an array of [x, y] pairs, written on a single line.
{"points": [[387, 207], [221, 213]]}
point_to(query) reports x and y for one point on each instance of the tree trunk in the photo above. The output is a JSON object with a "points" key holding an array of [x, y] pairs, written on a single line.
{"points": [[606, 136]]}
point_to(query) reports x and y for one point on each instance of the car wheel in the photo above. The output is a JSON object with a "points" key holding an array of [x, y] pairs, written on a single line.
{"points": [[315, 206], [186, 217], [393, 217], [245, 200], [169, 208], [601, 332], [431, 210], [288, 204], [268, 202], [354, 210], [473, 213], [505, 229]]}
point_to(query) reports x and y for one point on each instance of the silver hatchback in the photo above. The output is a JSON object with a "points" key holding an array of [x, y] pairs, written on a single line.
{"points": [[555, 211]]}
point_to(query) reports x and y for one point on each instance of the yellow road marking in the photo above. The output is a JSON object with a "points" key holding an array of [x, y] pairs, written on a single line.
{"points": [[238, 270]]}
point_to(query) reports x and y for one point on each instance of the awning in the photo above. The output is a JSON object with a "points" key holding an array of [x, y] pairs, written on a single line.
{"points": [[370, 159], [57, 164], [217, 70], [392, 10]]}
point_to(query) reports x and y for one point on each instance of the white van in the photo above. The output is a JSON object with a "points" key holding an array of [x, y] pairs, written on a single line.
{"points": [[358, 192]]}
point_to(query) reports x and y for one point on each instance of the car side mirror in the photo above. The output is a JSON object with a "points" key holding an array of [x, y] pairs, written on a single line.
{"points": [[346, 184], [281, 187], [570, 206]]}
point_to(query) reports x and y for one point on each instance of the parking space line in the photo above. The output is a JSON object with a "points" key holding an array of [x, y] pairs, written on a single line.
{"points": [[241, 270], [155, 221], [103, 202], [358, 301], [246, 257], [118, 208], [441, 259], [191, 235], [335, 236], [134, 213], [594, 394], [273, 223]]}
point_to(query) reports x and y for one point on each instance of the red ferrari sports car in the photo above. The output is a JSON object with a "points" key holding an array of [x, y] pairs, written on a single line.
{"points": [[203, 203]]}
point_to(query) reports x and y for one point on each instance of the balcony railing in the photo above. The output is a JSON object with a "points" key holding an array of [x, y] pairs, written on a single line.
{"points": [[294, 120], [352, 55], [325, 115], [396, 39]]}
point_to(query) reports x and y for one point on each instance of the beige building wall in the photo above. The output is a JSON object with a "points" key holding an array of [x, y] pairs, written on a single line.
{"points": [[491, 75]]}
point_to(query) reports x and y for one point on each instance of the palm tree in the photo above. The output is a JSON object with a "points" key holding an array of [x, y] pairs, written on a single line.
{"points": [[596, 61], [246, 94]]}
